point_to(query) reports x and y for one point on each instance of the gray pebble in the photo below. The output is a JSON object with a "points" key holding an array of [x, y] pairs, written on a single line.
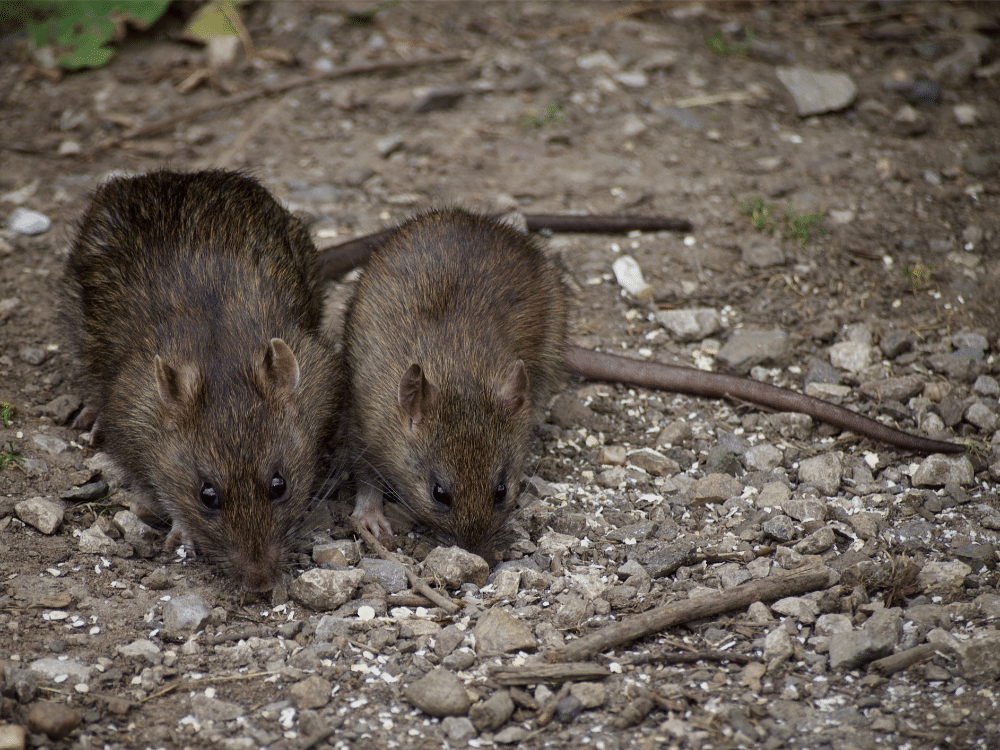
{"points": [[980, 415], [819, 541], [324, 590], [815, 92], [924, 93], [499, 632], [438, 693], [27, 222], [390, 574], [947, 578], [780, 528], [514, 735], [33, 355], [938, 470], [493, 712], [568, 411], [568, 709], [980, 165], [986, 386], [44, 515], [311, 693], [183, 615], [439, 99], [748, 348], [458, 728], [977, 556], [213, 709], [879, 636], [454, 566], [825, 471], [690, 325], [86, 493], [50, 444]]}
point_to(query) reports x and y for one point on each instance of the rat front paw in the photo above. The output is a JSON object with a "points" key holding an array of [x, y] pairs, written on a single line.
{"points": [[368, 515]]}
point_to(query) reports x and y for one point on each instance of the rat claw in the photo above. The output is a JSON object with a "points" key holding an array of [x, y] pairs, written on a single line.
{"points": [[179, 537]]}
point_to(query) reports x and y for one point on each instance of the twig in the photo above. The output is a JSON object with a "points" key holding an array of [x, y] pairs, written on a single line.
{"points": [[549, 709], [690, 657], [418, 584], [707, 99], [532, 674], [271, 90], [342, 257], [675, 613], [206, 679], [904, 659]]}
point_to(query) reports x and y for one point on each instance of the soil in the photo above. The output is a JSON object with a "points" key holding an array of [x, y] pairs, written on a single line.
{"points": [[665, 123]]}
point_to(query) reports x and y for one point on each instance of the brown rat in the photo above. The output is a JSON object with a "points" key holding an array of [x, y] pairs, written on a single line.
{"points": [[453, 340], [194, 305]]}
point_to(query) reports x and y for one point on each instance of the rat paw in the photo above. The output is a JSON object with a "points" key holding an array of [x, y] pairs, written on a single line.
{"points": [[178, 537], [368, 515]]}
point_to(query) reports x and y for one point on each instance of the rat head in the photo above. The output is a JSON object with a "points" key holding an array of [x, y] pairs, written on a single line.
{"points": [[237, 462], [464, 454]]}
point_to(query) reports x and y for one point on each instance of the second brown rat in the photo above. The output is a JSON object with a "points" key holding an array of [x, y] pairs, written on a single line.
{"points": [[453, 340], [193, 303]]}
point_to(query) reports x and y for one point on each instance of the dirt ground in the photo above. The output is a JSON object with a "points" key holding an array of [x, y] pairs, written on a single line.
{"points": [[681, 116]]}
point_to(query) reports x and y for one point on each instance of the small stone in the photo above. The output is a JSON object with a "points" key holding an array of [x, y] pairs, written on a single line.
{"points": [[27, 222], [714, 489], [454, 566], [7, 307], [323, 590], [653, 462], [499, 632], [772, 495], [763, 253], [966, 115], [61, 408], [817, 92], [600, 59], [632, 80], [980, 415], [44, 515], [142, 648], [493, 712], [311, 693], [665, 559], [804, 509], [13, 737], [135, 531], [819, 541], [979, 661], [777, 645], [986, 386], [692, 324], [977, 556], [50, 444], [938, 470], [827, 625], [386, 147], [438, 693], [52, 668], [590, 694], [879, 636], [56, 720], [747, 348], [213, 709], [780, 528], [568, 709], [632, 125], [390, 574], [763, 457], [337, 550], [458, 729], [437, 99], [183, 616], [851, 356], [513, 735], [96, 541], [980, 165], [568, 411], [32, 355], [893, 389], [943, 578]]}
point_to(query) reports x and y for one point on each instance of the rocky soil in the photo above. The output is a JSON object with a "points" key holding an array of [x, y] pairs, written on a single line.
{"points": [[839, 165]]}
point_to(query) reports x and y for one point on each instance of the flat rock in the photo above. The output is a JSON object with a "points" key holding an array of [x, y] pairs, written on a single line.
{"points": [[213, 709], [27, 222], [52, 668], [499, 632], [816, 92], [95, 541], [44, 515], [184, 615], [879, 636], [748, 348], [438, 693], [825, 471], [938, 470], [325, 589], [895, 389], [56, 720], [943, 578], [690, 325], [311, 693], [390, 574], [493, 712], [455, 566]]}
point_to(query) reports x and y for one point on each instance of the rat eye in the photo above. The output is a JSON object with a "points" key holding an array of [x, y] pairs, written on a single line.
{"points": [[277, 489], [499, 494], [441, 495], [210, 497]]}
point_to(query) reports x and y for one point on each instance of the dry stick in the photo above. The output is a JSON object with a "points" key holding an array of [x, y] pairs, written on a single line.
{"points": [[904, 659], [675, 613], [341, 258], [532, 674], [228, 101], [418, 584]]}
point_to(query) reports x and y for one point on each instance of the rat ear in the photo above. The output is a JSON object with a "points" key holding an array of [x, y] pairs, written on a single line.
{"points": [[418, 397], [281, 370], [176, 387], [513, 394]]}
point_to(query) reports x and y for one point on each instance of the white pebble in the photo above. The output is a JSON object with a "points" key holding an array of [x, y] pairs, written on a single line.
{"points": [[28, 222], [629, 276]]}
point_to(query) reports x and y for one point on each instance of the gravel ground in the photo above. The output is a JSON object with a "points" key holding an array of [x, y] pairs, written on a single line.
{"points": [[788, 585]]}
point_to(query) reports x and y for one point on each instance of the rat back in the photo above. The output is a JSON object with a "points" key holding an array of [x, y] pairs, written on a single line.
{"points": [[453, 341], [192, 302]]}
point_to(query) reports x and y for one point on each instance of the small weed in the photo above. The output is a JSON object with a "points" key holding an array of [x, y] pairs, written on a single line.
{"points": [[6, 412], [919, 276], [763, 217], [9, 457], [718, 46], [761, 214], [799, 226], [553, 113]]}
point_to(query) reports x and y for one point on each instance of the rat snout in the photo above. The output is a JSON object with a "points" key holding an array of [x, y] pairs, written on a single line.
{"points": [[258, 566]]}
